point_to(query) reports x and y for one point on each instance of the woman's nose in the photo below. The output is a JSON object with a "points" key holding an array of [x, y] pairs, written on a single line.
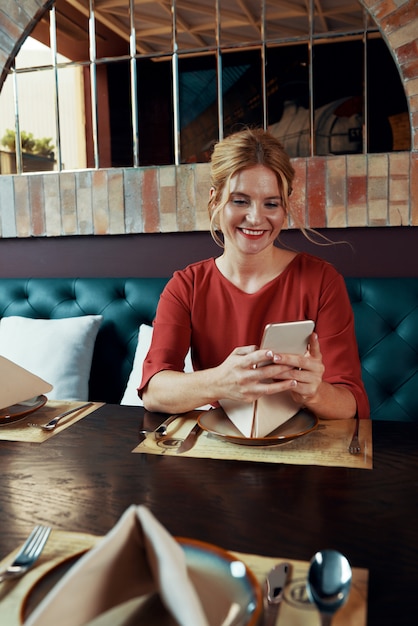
{"points": [[254, 214]]}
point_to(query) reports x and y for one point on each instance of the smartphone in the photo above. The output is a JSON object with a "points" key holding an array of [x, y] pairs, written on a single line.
{"points": [[287, 337]]}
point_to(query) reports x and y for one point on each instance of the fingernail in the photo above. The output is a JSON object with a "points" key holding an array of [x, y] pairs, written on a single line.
{"points": [[277, 357], [293, 383], [269, 353]]}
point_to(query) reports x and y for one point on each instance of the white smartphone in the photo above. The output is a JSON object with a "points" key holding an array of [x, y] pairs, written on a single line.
{"points": [[287, 337]]}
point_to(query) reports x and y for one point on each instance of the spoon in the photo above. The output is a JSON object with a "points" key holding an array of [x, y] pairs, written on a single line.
{"points": [[328, 583]]}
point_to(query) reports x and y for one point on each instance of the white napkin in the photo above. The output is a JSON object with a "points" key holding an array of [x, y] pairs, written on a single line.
{"points": [[18, 385], [116, 582]]}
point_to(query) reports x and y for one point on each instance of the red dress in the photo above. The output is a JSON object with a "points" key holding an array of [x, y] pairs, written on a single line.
{"points": [[201, 309]]}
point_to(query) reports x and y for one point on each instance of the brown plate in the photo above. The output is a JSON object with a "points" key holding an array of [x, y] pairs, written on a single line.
{"points": [[218, 424], [16, 412], [220, 579]]}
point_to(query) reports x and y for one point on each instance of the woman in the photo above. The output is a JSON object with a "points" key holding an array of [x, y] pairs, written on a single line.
{"points": [[220, 306]]}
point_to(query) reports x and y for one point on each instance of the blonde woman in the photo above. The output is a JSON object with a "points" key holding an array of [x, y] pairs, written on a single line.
{"points": [[220, 306]]}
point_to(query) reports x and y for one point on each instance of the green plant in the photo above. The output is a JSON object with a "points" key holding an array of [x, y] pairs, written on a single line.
{"points": [[43, 147], [29, 144]]}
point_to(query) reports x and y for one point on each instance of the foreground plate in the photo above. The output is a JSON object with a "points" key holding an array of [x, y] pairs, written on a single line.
{"points": [[221, 582], [217, 423], [16, 412]]}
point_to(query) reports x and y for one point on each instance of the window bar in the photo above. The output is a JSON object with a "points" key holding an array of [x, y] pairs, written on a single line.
{"points": [[18, 146], [312, 142], [365, 88], [263, 64], [134, 84], [175, 76], [219, 86], [93, 81], [53, 46]]}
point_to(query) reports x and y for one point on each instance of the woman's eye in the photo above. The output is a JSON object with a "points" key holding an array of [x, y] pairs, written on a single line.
{"points": [[273, 205], [239, 201]]}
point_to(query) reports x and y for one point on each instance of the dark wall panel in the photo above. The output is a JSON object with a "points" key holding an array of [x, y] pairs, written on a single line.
{"points": [[361, 252]]}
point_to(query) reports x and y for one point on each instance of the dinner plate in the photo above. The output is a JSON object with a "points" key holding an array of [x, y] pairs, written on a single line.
{"points": [[16, 412], [225, 586], [217, 423]]}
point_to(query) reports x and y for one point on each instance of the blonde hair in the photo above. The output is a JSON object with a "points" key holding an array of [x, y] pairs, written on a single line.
{"points": [[239, 151]]}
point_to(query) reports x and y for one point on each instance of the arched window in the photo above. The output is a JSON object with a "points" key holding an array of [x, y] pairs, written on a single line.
{"points": [[127, 83]]}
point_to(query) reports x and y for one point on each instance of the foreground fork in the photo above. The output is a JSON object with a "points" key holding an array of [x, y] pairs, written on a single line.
{"points": [[354, 447], [28, 554]]}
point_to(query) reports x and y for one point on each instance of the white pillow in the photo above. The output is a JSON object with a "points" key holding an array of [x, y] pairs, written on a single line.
{"points": [[60, 351], [144, 341]]}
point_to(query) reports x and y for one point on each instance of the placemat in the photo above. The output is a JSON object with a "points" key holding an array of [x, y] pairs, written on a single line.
{"points": [[21, 431], [327, 446], [295, 609]]}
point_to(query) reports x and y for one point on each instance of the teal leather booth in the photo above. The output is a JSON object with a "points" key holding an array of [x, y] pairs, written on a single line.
{"points": [[385, 310]]}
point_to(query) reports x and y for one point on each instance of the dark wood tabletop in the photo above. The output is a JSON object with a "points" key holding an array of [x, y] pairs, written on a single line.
{"points": [[84, 478]]}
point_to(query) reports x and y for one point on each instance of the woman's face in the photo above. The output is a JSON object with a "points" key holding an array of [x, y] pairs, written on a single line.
{"points": [[253, 215]]}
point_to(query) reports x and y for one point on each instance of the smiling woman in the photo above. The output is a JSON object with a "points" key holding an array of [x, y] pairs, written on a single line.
{"points": [[253, 283]]}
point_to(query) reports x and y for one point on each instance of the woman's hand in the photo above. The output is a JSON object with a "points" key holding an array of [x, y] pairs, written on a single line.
{"points": [[249, 373], [308, 372]]}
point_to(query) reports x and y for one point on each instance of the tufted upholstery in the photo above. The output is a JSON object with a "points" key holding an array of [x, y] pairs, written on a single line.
{"points": [[386, 318], [385, 310]]}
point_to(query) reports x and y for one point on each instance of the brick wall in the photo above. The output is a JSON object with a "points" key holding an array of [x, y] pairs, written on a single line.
{"points": [[337, 192]]}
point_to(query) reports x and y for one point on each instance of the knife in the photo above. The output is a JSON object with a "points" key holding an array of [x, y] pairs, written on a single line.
{"points": [[275, 584], [190, 440]]}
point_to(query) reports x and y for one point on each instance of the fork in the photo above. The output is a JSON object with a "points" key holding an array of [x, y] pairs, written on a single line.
{"points": [[28, 554], [52, 423], [354, 447]]}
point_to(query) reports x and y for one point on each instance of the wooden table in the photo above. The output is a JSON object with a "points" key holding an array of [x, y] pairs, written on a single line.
{"points": [[84, 478]]}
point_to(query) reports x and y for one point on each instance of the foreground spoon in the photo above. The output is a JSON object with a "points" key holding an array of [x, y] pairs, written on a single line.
{"points": [[328, 583]]}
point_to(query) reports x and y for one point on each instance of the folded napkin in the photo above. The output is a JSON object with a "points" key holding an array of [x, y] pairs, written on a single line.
{"points": [[18, 385], [117, 582], [260, 418]]}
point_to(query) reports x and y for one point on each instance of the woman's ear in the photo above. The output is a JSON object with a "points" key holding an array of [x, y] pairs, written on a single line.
{"points": [[211, 192]]}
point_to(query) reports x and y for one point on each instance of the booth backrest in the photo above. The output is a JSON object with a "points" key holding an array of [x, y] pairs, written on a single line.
{"points": [[386, 320], [385, 310]]}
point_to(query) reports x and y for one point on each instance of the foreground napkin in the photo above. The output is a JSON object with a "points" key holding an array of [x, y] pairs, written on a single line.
{"points": [[18, 385], [116, 582]]}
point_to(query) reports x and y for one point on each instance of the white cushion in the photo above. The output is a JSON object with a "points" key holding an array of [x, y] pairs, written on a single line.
{"points": [[60, 351], [144, 341]]}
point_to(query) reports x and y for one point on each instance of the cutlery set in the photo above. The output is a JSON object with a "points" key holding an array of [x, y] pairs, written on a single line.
{"points": [[328, 585], [161, 432]]}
